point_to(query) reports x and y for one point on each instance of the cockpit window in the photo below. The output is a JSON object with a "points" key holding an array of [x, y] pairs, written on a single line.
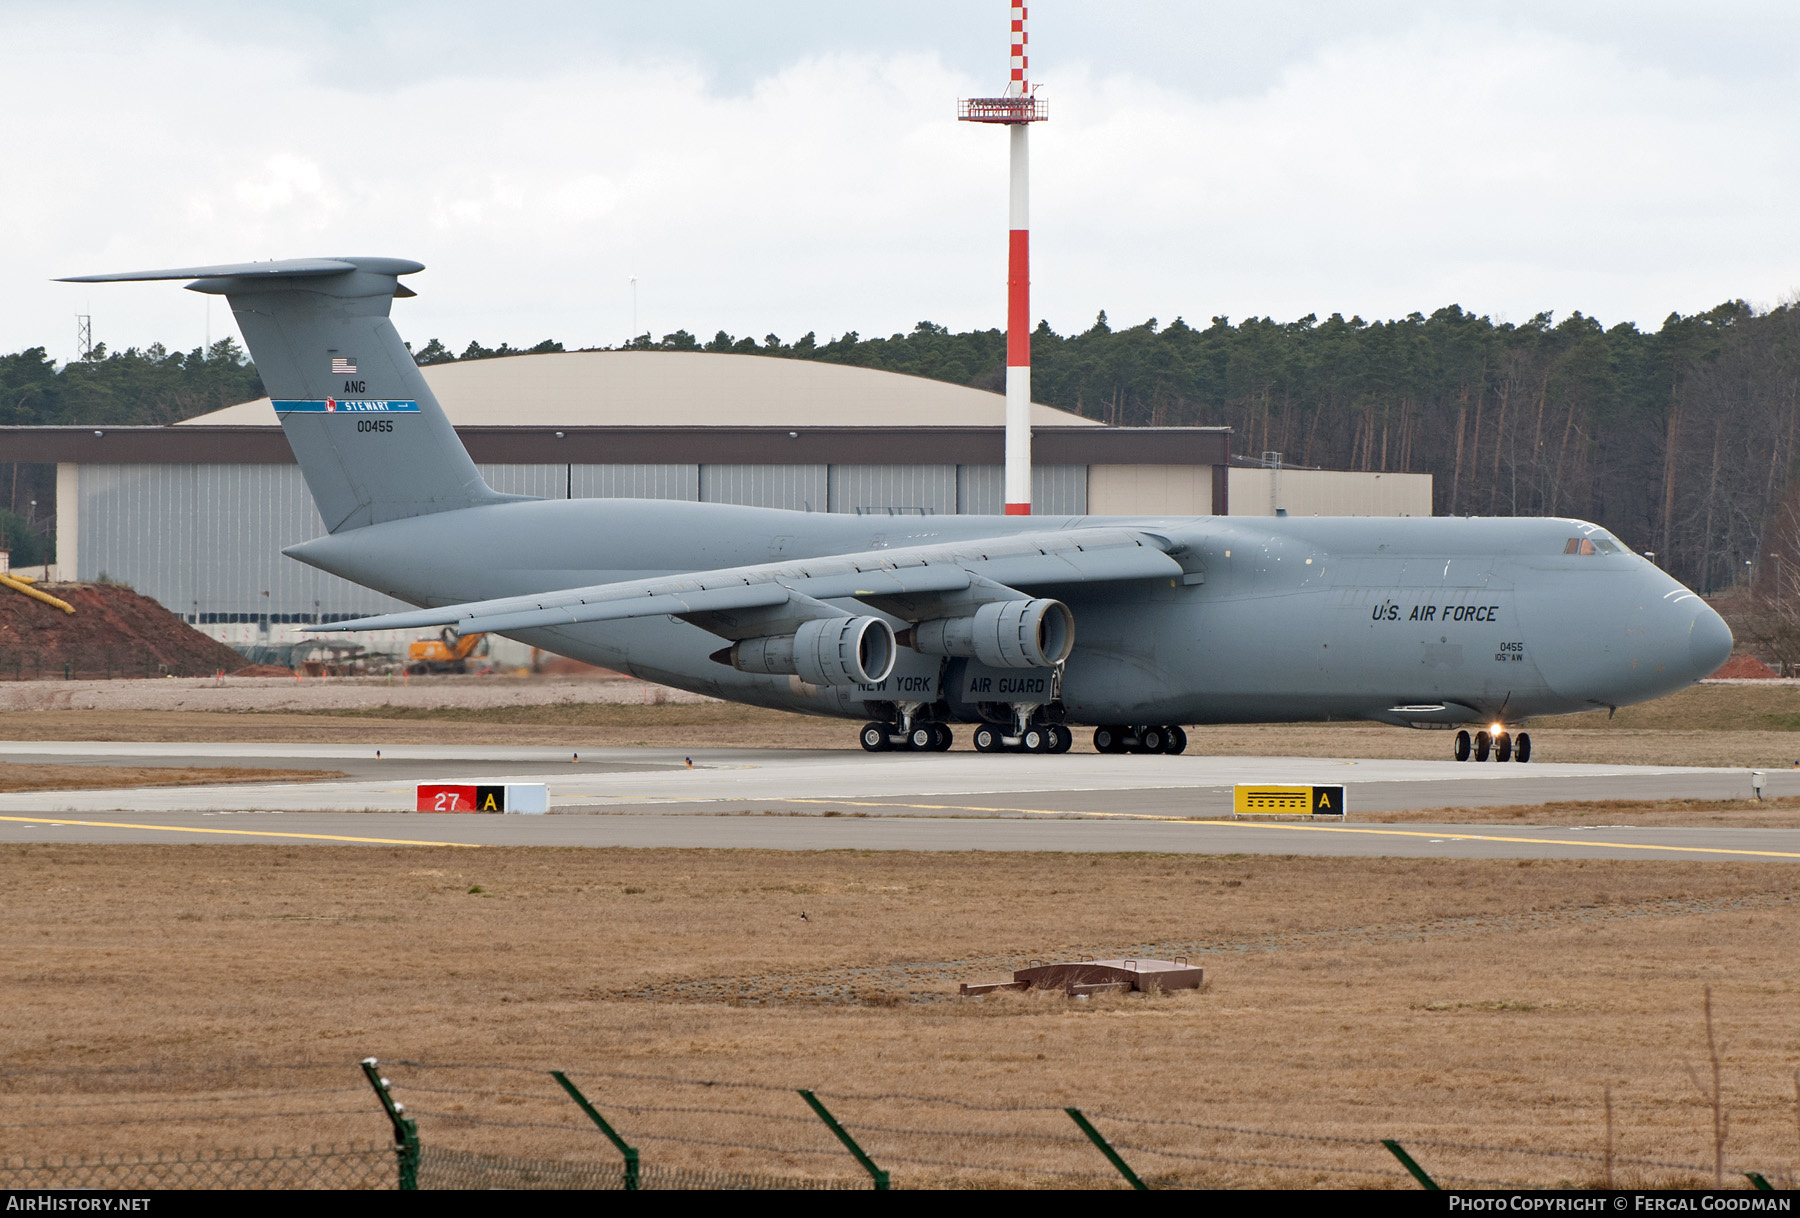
{"points": [[1590, 545]]}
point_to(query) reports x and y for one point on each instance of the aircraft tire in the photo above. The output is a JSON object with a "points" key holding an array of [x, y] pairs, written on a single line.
{"points": [[874, 737], [922, 737], [987, 739], [1502, 747], [1036, 740], [1106, 740], [944, 739], [1151, 739], [1482, 745], [1065, 739], [1463, 746], [1177, 742], [1522, 748]]}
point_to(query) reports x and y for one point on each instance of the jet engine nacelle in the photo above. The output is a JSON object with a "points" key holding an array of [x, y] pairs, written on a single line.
{"points": [[1036, 633], [824, 651]]}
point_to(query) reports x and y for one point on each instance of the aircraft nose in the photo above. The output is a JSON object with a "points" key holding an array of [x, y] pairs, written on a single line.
{"points": [[1709, 643]]}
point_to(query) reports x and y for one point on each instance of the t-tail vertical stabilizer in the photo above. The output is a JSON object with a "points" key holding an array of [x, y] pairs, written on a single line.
{"points": [[368, 434]]}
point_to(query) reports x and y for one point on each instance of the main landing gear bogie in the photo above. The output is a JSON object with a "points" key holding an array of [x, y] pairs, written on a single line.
{"points": [[1141, 738], [1501, 746], [922, 738], [1037, 738]]}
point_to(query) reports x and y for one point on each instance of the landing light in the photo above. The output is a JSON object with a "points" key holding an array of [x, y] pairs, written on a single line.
{"points": [[1497, 727]]}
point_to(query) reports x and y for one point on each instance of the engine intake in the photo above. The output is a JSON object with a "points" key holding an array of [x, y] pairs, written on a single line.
{"points": [[1036, 633], [824, 651]]}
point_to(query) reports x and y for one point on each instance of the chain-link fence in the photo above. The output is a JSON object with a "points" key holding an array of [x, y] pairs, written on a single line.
{"points": [[314, 1167], [445, 1169], [490, 1126]]}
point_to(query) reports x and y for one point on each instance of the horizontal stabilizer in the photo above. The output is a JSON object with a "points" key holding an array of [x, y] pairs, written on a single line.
{"points": [[286, 267]]}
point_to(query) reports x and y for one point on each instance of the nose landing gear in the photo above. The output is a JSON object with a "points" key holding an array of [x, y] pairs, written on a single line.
{"points": [[1502, 745]]}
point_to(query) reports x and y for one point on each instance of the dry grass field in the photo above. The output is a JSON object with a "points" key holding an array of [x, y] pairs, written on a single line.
{"points": [[1600, 813], [151, 989], [186, 997], [14, 777]]}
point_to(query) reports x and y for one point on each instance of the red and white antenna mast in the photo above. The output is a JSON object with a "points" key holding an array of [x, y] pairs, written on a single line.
{"points": [[1017, 110]]}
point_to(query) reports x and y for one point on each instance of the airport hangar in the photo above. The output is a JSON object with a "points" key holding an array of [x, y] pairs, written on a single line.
{"points": [[196, 514]]}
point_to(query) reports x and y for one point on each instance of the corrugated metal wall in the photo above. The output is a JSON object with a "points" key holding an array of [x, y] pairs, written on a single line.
{"points": [[596, 481], [539, 481], [636, 482], [1056, 490], [800, 488], [207, 539], [880, 489]]}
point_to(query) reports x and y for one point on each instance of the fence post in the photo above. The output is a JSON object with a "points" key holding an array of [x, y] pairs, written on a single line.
{"points": [[1406, 1161], [1106, 1149], [406, 1131], [624, 1148], [880, 1177]]}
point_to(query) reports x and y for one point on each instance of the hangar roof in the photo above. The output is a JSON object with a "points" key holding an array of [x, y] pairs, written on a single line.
{"points": [[689, 389]]}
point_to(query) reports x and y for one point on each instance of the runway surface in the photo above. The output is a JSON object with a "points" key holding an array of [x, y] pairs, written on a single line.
{"points": [[790, 800]]}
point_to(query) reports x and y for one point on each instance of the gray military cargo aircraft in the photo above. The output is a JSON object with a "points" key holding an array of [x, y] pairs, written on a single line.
{"points": [[1439, 622]]}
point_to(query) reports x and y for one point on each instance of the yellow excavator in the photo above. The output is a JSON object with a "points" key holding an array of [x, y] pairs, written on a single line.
{"points": [[449, 652]]}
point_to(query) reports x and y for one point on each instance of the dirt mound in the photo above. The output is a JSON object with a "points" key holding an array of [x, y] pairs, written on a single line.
{"points": [[114, 632], [1739, 668]]}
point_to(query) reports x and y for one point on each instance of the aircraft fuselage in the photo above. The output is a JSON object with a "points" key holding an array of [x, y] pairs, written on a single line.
{"points": [[1413, 620]]}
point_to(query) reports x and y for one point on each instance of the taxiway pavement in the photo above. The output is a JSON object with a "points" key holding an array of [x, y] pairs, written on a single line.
{"points": [[793, 800]]}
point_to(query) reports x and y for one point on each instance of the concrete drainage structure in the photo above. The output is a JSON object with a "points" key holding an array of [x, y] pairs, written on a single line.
{"points": [[1080, 978]]}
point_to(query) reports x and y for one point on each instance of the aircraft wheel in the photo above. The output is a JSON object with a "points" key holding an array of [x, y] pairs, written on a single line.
{"points": [[1150, 739], [1065, 739], [874, 737], [1502, 747], [1036, 740], [945, 738], [1522, 748], [1177, 741], [1482, 745], [987, 739], [922, 737], [1462, 746], [1106, 739]]}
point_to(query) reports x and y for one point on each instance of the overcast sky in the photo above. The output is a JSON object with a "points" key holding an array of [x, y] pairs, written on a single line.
{"points": [[795, 165]]}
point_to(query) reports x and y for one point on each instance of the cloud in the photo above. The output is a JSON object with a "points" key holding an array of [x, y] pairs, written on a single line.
{"points": [[1509, 168]]}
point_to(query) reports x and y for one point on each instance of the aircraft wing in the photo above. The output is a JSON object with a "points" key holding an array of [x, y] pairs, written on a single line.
{"points": [[916, 580]]}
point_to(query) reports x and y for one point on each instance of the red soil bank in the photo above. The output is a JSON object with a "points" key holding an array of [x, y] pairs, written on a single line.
{"points": [[113, 632]]}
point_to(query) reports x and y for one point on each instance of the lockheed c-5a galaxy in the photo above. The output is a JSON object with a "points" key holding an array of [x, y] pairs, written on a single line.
{"points": [[1024, 627]]}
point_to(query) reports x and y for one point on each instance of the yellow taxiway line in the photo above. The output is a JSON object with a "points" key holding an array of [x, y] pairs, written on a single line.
{"points": [[1293, 828], [313, 837]]}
